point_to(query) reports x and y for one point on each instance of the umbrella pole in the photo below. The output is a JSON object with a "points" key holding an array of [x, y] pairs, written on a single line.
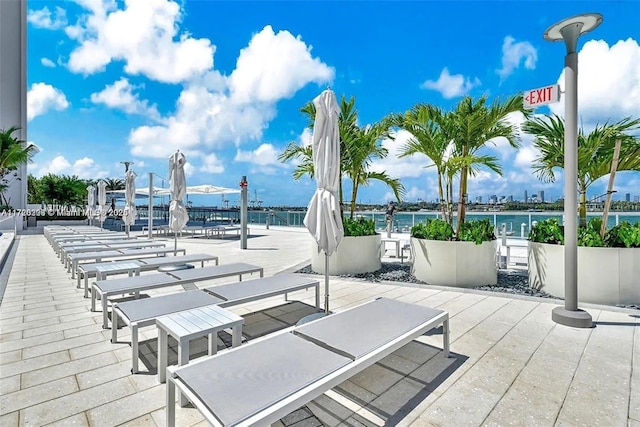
{"points": [[128, 230], [326, 284], [175, 243]]}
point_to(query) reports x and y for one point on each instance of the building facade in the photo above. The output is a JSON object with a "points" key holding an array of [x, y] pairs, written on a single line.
{"points": [[13, 86]]}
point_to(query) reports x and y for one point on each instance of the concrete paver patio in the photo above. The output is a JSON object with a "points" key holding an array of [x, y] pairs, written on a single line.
{"points": [[510, 364]]}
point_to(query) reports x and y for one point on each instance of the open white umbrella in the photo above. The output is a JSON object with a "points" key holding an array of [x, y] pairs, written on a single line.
{"points": [[129, 214], [324, 218], [102, 201], [178, 215], [210, 189], [91, 202]]}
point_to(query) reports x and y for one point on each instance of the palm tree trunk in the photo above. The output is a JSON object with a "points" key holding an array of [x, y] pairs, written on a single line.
{"points": [[340, 196], [354, 194], [449, 204], [612, 177], [462, 192], [441, 195], [583, 203]]}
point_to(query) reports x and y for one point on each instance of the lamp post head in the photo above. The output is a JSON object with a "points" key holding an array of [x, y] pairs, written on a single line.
{"points": [[570, 29], [126, 165]]}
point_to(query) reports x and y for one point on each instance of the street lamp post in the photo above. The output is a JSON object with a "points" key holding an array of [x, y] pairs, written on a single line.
{"points": [[568, 30]]}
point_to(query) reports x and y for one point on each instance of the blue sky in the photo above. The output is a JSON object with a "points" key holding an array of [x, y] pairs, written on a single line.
{"points": [[112, 80]]}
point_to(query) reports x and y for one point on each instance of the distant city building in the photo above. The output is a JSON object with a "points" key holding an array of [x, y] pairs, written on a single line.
{"points": [[509, 198], [541, 196], [636, 199], [627, 197], [479, 199], [526, 196], [493, 199]]}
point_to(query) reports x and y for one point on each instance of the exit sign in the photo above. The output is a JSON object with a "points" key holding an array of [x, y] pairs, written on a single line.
{"points": [[541, 96]]}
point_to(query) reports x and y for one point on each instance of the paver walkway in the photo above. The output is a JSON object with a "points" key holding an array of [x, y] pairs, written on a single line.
{"points": [[511, 364]]}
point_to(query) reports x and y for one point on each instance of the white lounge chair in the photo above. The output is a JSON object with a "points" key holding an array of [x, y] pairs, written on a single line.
{"points": [[261, 382], [144, 312], [107, 288], [108, 247], [118, 254], [85, 271]]}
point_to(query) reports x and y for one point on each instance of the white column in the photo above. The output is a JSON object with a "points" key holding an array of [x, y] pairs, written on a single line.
{"points": [[13, 85]]}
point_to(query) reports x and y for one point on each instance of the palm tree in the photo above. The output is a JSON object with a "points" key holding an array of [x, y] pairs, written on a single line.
{"points": [[451, 140], [13, 153], [428, 139], [34, 192], [595, 151], [114, 184], [358, 148], [471, 126], [362, 147]]}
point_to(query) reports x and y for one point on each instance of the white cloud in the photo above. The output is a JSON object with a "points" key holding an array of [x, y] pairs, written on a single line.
{"points": [[151, 45], [258, 77], [608, 82], [84, 168], [305, 137], [42, 98], [188, 169], [415, 194], [513, 54], [451, 86], [44, 18], [47, 63], [264, 159], [58, 165], [120, 95], [212, 112], [406, 167], [265, 154], [525, 157], [212, 164]]}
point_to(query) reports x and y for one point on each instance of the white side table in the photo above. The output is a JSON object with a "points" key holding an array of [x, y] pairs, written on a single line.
{"points": [[190, 324], [396, 241]]}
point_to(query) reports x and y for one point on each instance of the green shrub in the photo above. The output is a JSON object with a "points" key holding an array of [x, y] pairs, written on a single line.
{"points": [[359, 227], [433, 229], [590, 237], [547, 231], [623, 235], [477, 231]]}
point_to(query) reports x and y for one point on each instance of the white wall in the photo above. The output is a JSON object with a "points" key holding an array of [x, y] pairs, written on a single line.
{"points": [[13, 84]]}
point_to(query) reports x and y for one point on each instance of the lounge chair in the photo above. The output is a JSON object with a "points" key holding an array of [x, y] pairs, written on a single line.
{"points": [[144, 312], [85, 271], [137, 284], [118, 254], [221, 230], [60, 247], [260, 382], [107, 247]]}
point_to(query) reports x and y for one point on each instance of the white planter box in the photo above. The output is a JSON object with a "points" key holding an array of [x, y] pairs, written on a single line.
{"points": [[605, 275], [354, 255], [459, 264]]}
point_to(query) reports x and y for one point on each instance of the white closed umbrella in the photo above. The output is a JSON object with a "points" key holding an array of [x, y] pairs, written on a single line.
{"points": [[102, 201], [324, 217], [178, 215], [91, 202], [129, 214]]}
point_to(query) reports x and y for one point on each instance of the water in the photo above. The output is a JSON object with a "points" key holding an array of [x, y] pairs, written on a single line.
{"points": [[403, 221]]}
